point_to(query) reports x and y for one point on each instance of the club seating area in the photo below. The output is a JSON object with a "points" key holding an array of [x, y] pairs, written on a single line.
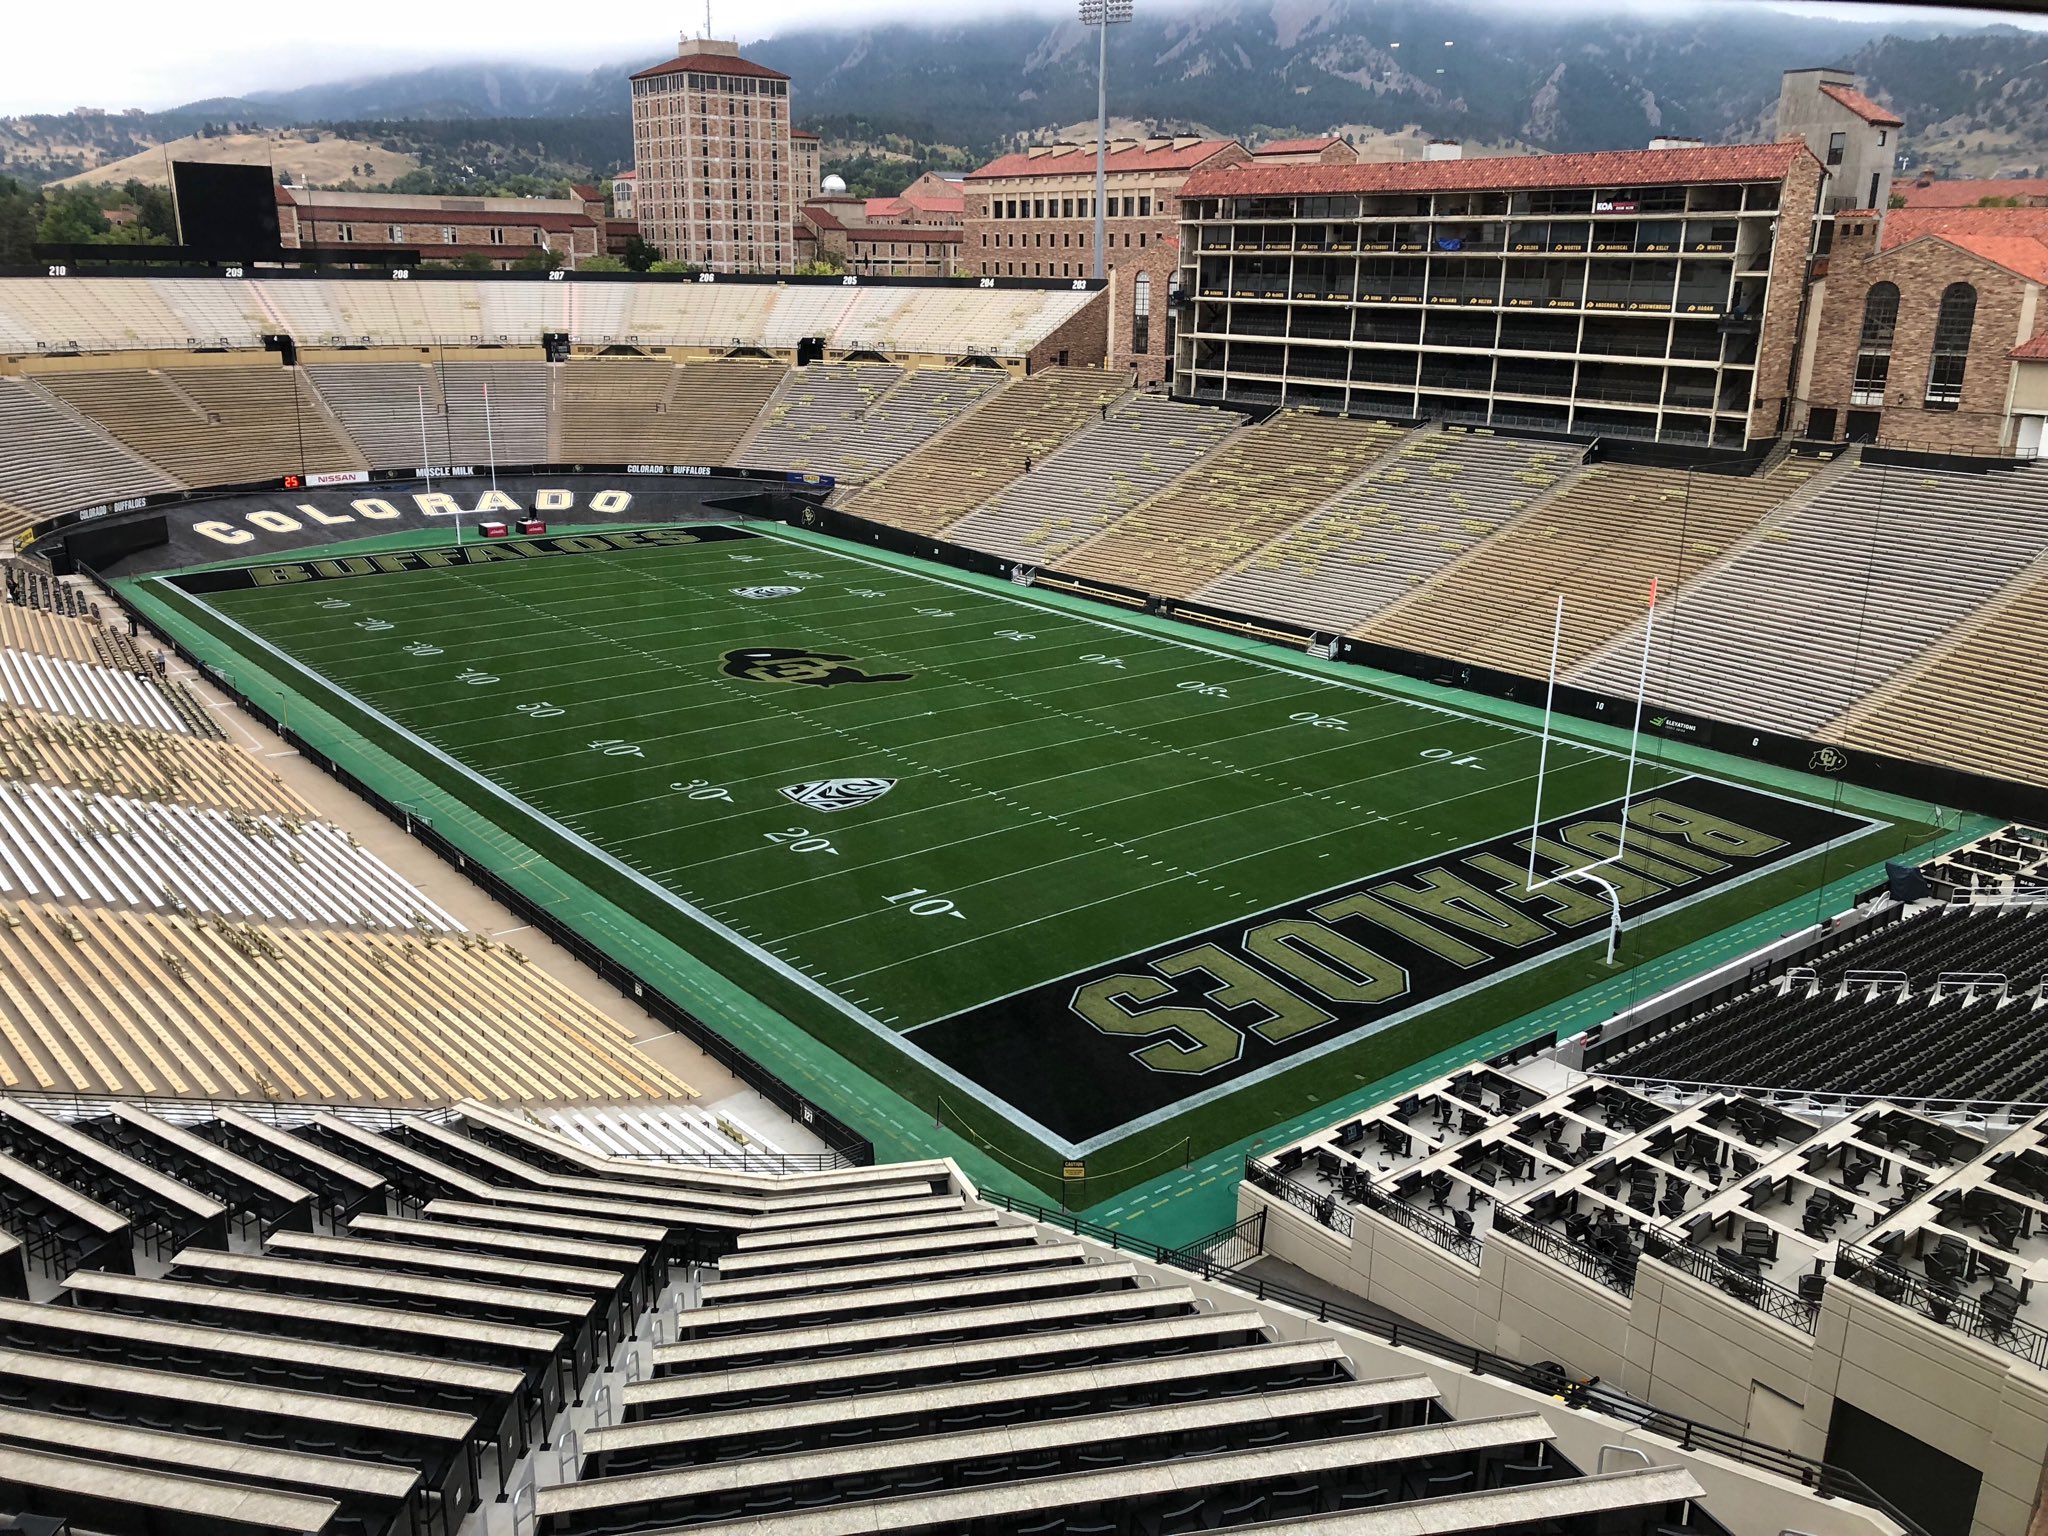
{"points": [[877, 1349]]}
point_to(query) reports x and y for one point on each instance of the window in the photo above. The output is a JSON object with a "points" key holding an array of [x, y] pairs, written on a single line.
{"points": [[1874, 345], [344, 232], [1837, 144], [1881, 136], [447, 234], [1141, 313], [397, 234], [1951, 346], [497, 235], [1144, 207]]}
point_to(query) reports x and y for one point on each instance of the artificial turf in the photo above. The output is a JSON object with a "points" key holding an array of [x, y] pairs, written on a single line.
{"points": [[1068, 797]]}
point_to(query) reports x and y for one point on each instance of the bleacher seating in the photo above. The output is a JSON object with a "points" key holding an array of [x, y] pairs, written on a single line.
{"points": [[108, 1000], [1431, 502], [643, 410], [809, 424], [1894, 1036], [98, 757], [517, 431], [213, 426], [1262, 482], [927, 402], [1599, 542], [52, 460], [1983, 671], [378, 405], [832, 1361], [992, 445], [1829, 600], [56, 686], [1142, 445]]}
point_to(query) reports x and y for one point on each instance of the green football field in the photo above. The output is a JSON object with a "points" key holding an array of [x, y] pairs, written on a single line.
{"points": [[1078, 885]]}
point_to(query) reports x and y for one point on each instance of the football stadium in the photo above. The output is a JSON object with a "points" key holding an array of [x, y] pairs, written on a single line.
{"points": [[1401, 893]]}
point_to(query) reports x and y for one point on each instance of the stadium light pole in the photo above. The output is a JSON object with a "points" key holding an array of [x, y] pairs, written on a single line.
{"points": [[1102, 15]]}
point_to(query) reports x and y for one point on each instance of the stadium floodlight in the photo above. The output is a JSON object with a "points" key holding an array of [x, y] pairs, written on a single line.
{"points": [[1102, 15], [1589, 872]]}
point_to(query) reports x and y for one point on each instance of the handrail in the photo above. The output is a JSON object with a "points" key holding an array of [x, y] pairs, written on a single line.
{"points": [[744, 1161], [1878, 1272], [1768, 1297], [1828, 1101], [1614, 1274], [286, 1116], [1358, 1187], [1323, 1209], [1824, 1479]]}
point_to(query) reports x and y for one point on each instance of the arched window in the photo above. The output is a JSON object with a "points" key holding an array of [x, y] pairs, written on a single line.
{"points": [[1141, 313], [1874, 346], [1951, 346]]}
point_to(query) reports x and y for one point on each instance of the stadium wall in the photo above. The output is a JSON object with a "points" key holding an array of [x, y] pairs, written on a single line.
{"points": [[1082, 342]]}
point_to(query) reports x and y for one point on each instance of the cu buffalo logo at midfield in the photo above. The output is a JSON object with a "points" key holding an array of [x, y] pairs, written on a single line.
{"points": [[820, 669], [761, 594]]}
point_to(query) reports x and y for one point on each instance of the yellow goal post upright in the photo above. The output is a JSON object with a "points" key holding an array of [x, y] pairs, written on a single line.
{"points": [[1589, 872]]}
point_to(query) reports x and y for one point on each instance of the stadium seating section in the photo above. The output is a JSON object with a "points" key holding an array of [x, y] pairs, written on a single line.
{"points": [[1881, 1015], [336, 1325]]}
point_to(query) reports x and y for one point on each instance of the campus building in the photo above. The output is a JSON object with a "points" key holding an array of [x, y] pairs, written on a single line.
{"points": [[444, 228], [714, 160], [1032, 214], [1648, 293]]}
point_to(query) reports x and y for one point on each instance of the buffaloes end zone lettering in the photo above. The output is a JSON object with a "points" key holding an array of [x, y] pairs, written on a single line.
{"points": [[480, 552], [819, 669], [1142, 1033]]}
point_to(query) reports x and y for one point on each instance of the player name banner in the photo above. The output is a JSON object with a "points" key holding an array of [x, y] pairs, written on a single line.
{"points": [[1133, 1039]]}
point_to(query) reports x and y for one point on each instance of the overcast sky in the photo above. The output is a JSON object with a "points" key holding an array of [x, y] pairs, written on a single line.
{"points": [[143, 53]]}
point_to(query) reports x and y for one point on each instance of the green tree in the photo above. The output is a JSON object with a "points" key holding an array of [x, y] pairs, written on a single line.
{"points": [[828, 264], [540, 258], [153, 208], [71, 216], [601, 264], [640, 256], [18, 222], [674, 269]]}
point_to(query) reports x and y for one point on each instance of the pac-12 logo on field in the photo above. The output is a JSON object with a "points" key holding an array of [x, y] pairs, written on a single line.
{"points": [[820, 669], [838, 794], [765, 592]]}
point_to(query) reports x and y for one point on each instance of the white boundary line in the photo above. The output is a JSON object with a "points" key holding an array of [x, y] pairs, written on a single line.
{"points": [[979, 1092]]}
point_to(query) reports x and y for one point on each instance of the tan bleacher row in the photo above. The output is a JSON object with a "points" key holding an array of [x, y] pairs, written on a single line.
{"points": [[810, 423], [141, 764], [985, 450], [53, 460], [632, 411], [378, 405], [97, 1000], [1837, 594], [213, 426], [518, 426], [1142, 445], [76, 845], [49, 634], [1973, 701], [105, 314], [1262, 482], [1599, 542], [1434, 499]]}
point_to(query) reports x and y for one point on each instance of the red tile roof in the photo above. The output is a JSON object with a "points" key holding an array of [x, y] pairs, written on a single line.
{"points": [[335, 214], [2031, 351], [1862, 106], [1968, 194], [1903, 224], [627, 176], [711, 64], [1295, 146], [801, 133], [1078, 159], [1607, 168]]}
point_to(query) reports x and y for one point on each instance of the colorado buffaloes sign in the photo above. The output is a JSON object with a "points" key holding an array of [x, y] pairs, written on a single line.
{"points": [[1166, 1027]]}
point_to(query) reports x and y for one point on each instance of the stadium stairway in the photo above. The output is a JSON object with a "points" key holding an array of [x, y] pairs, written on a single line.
{"points": [[371, 1326]]}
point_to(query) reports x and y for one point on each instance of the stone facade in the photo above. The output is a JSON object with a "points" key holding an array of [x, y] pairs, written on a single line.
{"points": [[443, 229], [1032, 215], [1779, 339], [1922, 269], [713, 157]]}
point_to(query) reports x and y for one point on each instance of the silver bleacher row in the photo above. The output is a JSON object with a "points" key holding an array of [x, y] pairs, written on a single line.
{"points": [[250, 1329]]}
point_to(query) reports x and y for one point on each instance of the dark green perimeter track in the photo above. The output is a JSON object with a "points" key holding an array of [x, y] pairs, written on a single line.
{"points": [[995, 871]]}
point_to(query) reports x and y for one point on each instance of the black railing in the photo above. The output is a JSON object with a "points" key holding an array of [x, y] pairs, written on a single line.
{"points": [[755, 1160], [1616, 1272], [1325, 1210], [1753, 1290], [1827, 1481], [1966, 1314]]}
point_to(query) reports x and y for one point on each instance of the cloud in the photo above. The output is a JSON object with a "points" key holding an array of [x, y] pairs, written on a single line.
{"points": [[127, 53]]}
